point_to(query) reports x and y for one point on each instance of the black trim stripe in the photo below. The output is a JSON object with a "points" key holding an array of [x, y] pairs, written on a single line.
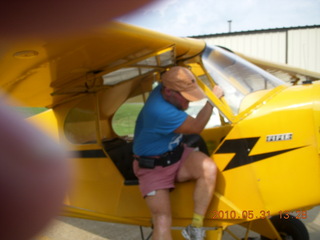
{"points": [[96, 153]]}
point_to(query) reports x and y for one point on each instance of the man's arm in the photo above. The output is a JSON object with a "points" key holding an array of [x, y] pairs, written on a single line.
{"points": [[196, 125]]}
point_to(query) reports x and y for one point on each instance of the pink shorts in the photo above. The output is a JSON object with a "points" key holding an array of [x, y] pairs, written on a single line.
{"points": [[159, 177]]}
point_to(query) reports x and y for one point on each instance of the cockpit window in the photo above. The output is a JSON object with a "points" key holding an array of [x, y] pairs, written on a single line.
{"points": [[237, 77]]}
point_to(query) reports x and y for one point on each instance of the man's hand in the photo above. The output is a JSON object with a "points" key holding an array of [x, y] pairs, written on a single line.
{"points": [[217, 90]]}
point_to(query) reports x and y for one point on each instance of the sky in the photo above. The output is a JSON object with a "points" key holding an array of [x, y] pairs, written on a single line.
{"points": [[201, 17]]}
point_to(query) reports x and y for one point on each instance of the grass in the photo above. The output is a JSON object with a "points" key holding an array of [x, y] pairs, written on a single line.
{"points": [[125, 118], [29, 111]]}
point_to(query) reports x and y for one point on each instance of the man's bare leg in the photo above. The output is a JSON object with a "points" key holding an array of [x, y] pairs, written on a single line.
{"points": [[160, 208], [201, 168]]}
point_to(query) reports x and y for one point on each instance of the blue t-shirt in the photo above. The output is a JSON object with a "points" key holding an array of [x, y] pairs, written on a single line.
{"points": [[155, 126]]}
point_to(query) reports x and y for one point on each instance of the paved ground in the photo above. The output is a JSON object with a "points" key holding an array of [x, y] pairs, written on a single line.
{"points": [[65, 228]]}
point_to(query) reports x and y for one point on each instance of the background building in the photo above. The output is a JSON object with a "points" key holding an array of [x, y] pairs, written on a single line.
{"points": [[295, 46]]}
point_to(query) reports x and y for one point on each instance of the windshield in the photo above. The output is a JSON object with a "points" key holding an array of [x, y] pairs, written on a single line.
{"points": [[237, 77]]}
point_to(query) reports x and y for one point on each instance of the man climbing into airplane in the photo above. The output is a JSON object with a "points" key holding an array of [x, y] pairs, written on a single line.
{"points": [[161, 157]]}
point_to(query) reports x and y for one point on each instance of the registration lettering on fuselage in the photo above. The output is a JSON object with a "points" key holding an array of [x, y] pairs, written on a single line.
{"points": [[279, 137]]}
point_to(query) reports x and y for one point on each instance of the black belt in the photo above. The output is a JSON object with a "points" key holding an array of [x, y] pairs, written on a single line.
{"points": [[163, 160]]}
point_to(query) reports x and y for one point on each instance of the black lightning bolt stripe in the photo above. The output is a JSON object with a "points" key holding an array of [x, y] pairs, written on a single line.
{"points": [[242, 148]]}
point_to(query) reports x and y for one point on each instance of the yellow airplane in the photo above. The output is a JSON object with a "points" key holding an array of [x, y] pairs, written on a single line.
{"points": [[264, 136]]}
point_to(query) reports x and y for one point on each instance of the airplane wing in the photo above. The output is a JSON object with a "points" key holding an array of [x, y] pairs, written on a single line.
{"points": [[47, 72], [285, 72]]}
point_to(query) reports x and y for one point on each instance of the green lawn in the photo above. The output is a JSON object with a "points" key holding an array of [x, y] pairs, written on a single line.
{"points": [[125, 118], [29, 111]]}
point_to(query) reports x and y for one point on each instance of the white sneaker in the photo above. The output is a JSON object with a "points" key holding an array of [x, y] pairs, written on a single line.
{"points": [[193, 233]]}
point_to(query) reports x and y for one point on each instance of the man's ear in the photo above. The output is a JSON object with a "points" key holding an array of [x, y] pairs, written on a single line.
{"points": [[166, 91]]}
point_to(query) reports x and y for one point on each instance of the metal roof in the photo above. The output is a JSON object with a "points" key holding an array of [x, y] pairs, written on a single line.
{"points": [[255, 31]]}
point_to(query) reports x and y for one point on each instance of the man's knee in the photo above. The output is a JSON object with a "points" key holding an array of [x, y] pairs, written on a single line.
{"points": [[210, 169], [162, 220]]}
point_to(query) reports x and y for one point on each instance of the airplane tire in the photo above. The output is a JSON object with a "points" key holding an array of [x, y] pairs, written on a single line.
{"points": [[291, 228]]}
